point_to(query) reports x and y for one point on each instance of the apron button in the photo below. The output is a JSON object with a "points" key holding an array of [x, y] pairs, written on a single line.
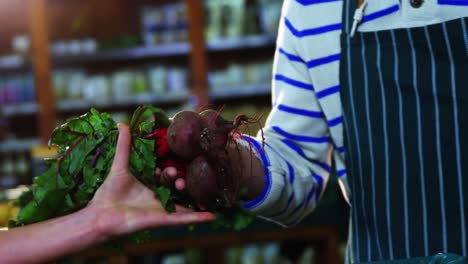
{"points": [[416, 3]]}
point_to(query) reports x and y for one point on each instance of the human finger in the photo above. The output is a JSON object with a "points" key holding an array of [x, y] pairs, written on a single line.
{"points": [[158, 172], [180, 184], [178, 218], [169, 172], [122, 151], [168, 176]]}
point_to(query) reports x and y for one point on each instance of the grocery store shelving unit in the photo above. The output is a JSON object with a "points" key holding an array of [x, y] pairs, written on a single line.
{"points": [[33, 121], [46, 109], [134, 53]]}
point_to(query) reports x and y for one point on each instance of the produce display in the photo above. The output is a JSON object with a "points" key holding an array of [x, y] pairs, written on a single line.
{"points": [[194, 143]]}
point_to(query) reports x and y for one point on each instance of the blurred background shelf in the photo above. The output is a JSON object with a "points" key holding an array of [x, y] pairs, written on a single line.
{"points": [[135, 53], [114, 55], [244, 42], [156, 51], [18, 145], [133, 101], [59, 59], [24, 108], [14, 62], [64, 105], [241, 91]]}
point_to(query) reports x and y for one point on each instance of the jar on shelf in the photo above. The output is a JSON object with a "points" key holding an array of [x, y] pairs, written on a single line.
{"points": [[21, 44], [139, 83], [97, 89], [233, 18], [76, 80], [269, 14], [182, 22], [121, 85], [59, 83], [157, 76], [7, 176], [22, 167], [177, 81], [10, 90], [152, 20], [29, 90], [170, 24], [213, 18]]}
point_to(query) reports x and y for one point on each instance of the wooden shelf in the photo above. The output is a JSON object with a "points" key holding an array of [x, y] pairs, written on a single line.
{"points": [[324, 238], [245, 42], [241, 91], [26, 108], [18, 145], [68, 105], [14, 62], [141, 52], [85, 105], [165, 50]]}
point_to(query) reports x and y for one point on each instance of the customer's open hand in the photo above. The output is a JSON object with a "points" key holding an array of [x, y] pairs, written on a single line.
{"points": [[125, 205]]}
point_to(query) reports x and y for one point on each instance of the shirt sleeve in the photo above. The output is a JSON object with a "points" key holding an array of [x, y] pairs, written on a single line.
{"points": [[295, 146]]}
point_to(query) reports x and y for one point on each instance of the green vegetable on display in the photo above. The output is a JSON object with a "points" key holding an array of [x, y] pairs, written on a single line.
{"points": [[86, 148]]}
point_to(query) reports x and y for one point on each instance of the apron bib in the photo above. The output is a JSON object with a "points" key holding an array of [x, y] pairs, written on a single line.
{"points": [[405, 103]]}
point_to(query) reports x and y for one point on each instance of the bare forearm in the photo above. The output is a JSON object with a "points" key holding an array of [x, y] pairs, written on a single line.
{"points": [[45, 241]]}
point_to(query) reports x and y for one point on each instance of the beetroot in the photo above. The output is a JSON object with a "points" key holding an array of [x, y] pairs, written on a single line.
{"points": [[161, 146], [183, 134], [216, 131], [201, 181]]}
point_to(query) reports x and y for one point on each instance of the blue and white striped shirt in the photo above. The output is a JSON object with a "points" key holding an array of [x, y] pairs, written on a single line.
{"points": [[304, 131]]}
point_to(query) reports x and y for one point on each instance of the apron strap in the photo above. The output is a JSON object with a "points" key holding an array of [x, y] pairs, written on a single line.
{"points": [[349, 7], [358, 16]]}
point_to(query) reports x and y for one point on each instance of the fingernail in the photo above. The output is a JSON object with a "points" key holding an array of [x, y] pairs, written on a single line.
{"points": [[208, 215]]}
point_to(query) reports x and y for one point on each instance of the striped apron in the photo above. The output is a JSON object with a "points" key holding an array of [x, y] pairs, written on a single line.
{"points": [[405, 102]]}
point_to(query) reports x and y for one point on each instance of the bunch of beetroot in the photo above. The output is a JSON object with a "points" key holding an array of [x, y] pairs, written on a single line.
{"points": [[193, 143], [200, 140], [196, 145]]}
